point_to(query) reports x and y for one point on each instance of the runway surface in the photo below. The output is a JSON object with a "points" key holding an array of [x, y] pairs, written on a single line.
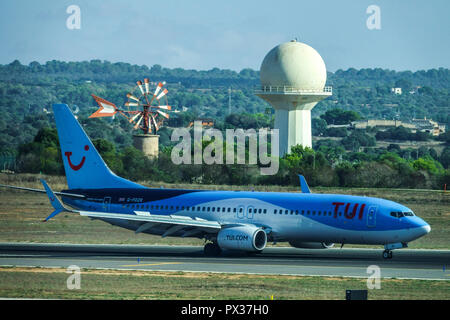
{"points": [[406, 263]]}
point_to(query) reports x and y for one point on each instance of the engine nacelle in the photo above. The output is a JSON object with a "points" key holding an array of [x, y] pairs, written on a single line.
{"points": [[311, 245], [244, 238]]}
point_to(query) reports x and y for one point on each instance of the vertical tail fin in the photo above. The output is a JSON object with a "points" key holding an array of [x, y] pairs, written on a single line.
{"points": [[84, 167], [303, 184]]}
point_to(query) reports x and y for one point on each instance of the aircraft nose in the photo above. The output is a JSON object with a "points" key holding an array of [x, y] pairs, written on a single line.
{"points": [[426, 228], [419, 228]]}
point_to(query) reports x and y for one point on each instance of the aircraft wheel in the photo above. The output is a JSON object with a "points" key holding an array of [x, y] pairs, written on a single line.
{"points": [[212, 250], [387, 254]]}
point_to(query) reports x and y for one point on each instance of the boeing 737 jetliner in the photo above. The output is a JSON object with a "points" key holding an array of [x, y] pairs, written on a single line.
{"points": [[234, 220]]}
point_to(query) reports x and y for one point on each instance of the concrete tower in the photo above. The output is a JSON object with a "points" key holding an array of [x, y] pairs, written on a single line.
{"points": [[293, 77], [148, 144]]}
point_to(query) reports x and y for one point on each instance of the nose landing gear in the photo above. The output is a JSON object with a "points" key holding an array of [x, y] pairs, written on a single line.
{"points": [[387, 254]]}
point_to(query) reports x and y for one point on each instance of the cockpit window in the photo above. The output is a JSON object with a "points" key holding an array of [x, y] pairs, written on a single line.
{"points": [[402, 214]]}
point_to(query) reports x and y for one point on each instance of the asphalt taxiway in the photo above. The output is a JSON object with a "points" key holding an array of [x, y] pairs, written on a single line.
{"points": [[406, 263]]}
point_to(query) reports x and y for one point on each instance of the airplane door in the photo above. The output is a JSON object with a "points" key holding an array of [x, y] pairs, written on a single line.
{"points": [[106, 203], [250, 212], [372, 217], [240, 212]]}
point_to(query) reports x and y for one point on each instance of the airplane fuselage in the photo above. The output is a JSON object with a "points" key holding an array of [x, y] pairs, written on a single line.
{"points": [[327, 218]]}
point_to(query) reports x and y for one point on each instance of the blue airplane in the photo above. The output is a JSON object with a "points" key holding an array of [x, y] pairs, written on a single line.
{"points": [[233, 220]]}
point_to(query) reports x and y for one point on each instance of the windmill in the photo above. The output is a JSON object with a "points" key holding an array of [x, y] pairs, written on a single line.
{"points": [[143, 108]]}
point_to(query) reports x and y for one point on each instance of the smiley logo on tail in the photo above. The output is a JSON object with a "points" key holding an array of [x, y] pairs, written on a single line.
{"points": [[77, 167]]}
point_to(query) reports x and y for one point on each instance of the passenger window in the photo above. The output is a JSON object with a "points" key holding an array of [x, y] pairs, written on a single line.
{"points": [[229, 210], [286, 211], [234, 209], [274, 211], [308, 212], [265, 211], [259, 210]]}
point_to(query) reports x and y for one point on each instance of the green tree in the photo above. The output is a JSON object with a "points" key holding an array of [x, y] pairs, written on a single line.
{"points": [[339, 116]]}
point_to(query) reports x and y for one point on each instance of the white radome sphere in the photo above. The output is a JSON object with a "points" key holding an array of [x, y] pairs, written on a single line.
{"points": [[293, 64]]}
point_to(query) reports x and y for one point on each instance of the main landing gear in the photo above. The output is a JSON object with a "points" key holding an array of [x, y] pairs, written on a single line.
{"points": [[212, 249], [387, 254]]}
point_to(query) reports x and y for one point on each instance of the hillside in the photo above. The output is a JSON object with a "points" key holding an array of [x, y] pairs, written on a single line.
{"points": [[26, 90], [342, 157]]}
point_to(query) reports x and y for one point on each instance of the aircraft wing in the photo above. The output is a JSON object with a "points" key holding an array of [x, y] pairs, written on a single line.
{"points": [[172, 223], [183, 225]]}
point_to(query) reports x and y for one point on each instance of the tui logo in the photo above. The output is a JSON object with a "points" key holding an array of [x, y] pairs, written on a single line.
{"points": [[77, 167]]}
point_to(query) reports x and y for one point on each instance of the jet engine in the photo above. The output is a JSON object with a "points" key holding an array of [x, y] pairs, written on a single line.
{"points": [[311, 245], [245, 238]]}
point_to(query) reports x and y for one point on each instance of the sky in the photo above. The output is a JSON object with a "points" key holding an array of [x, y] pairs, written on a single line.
{"points": [[204, 34]]}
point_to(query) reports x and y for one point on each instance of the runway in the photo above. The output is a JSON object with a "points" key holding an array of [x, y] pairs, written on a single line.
{"points": [[406, 263]]}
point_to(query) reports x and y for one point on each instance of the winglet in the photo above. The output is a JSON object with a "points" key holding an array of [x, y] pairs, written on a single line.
{"points": [[54, 201], [303, 184]]}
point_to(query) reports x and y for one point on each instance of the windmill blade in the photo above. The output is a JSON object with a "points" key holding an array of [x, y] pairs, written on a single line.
{"points": [[131, 104], [138, 123], [154, 122], [130, 96], [165, 115], [107, 109], [165, 107], [146, 83], [158, 89], [134, 117], [141, 87], [162, 94]]}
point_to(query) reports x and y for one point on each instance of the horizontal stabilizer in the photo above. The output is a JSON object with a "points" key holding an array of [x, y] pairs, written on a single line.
{"points": [[63, 194]]}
